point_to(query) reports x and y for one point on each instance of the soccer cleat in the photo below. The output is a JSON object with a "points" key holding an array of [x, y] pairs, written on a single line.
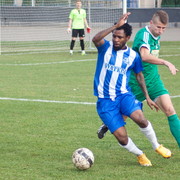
{"points": [[143, 160], [83, 53], [166, 153], [102, 131]]}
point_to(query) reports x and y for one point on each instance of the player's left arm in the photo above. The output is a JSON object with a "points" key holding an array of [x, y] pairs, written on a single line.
{"points": [[149, 58], [141, 81], [69, 25], [86, 23]]}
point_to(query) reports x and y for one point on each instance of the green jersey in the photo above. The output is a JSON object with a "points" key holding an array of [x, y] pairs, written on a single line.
{"points": [[144, 38], [77, 17]]}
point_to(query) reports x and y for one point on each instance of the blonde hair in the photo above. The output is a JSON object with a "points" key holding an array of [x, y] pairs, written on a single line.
{"points": [[162, 16]]}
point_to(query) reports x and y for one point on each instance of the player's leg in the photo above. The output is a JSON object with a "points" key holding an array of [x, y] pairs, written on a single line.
{"points": [[139, 95], [113, 119], [161, 97], [133, 108], [74, 36], [103, 129], [165, 104], [81, 38], [127, 143], [147, 129]]}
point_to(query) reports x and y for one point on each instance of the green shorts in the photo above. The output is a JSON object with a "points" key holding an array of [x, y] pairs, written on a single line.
{"points": [[155, 89]]}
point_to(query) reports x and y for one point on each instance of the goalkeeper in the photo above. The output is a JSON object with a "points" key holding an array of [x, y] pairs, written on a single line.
{"points": [[146, 43], [77, 21]]}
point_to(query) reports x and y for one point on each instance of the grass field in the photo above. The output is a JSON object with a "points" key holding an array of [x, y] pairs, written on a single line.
{"points": [[48, 110]]}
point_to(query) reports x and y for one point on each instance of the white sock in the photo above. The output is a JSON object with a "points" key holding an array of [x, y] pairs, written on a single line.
{"points": [[131, 147], [150, 134], [71, 51]]}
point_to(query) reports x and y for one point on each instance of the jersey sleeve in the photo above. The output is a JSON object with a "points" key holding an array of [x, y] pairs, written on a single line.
{"points": [[103, 47], [71, 15], [141, 40], [138, 67]]}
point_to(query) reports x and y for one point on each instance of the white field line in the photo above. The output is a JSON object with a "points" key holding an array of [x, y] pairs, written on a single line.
{"points": [[65, 61], [34, 52], [12, 53], [53, 101], [48, 63], [177, 96], [52, 50], [46, 101], [169, 55]]}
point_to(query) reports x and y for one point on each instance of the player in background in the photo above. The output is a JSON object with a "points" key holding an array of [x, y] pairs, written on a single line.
{"points": [[115, 99], [146, 43], [77, 21]]}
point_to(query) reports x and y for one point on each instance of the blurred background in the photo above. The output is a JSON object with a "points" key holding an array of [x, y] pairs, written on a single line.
{"points": [[40, 25]]}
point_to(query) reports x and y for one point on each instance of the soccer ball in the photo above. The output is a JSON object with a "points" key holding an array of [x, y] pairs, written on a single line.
{"points": [[83, 158]]}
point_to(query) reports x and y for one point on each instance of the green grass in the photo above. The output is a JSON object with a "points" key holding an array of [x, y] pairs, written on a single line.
{"points": [[37, 139], [22, 47]]}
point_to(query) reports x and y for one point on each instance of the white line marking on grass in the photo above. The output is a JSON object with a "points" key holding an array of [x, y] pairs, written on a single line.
{"points": [[63, 62], [53, 101], [169, 55], [13, 53], [175, 96], [48, 63], [46, 101]]}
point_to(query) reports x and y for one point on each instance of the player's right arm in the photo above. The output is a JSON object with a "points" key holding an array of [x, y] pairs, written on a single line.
{"points": [[149, 58], [69, 25], [142, 84], [98, 39]]}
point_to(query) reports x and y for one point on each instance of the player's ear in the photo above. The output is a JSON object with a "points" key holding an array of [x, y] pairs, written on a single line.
{"points": [[151, 22], [128, 37]]}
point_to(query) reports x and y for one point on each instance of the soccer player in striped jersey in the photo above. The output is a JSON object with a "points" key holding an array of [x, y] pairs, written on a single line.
{"points": [[146, 43], [115, 99]]}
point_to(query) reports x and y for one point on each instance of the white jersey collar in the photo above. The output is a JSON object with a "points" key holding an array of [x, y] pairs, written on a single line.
{"points": [[147, 28]]}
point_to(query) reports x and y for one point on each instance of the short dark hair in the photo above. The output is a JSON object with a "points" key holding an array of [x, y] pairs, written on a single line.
{"points": [[127, 29], [162, 16]]}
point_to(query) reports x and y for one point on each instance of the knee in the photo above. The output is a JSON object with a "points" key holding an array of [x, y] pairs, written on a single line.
{"points": [[169, 111], [122, 139], [139, 119], [143, 123]]}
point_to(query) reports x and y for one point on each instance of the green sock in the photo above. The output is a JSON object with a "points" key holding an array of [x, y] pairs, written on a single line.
{"points": [[174, 124]]}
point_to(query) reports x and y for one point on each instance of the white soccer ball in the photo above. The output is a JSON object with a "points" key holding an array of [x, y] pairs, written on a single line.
{"points": [[83, 158]]}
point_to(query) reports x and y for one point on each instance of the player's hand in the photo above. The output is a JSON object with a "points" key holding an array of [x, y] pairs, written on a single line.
{"points": [[152, 104], [68, 30], [88, 29], [123, 19], [171, 67]]}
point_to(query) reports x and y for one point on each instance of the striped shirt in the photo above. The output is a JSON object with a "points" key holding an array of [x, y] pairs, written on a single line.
{"points": [[113, 70]]}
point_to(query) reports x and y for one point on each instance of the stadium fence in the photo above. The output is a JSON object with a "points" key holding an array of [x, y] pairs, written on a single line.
{"points": [[40, 25]]}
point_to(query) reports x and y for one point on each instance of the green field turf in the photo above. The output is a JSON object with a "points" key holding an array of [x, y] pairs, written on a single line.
{"points": [[38, 137]]}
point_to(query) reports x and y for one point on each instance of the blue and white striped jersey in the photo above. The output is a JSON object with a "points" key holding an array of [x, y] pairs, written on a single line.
{"points": [[113, 70]]}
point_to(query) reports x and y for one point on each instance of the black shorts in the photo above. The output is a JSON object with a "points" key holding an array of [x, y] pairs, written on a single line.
{"points": [[78, 32]]}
